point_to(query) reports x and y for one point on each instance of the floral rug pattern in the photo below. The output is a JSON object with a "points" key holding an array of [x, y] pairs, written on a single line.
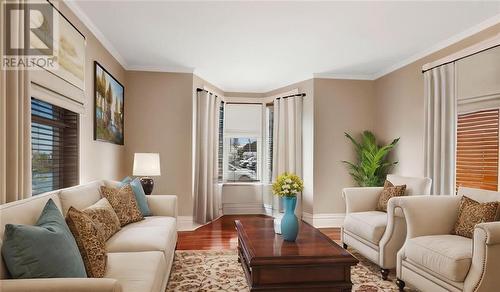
{"points": [[209, 271]]}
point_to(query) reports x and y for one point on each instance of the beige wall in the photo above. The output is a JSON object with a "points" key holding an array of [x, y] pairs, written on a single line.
{"points": [[98, 160], [400, 106], [339, 106], [159, 119]]}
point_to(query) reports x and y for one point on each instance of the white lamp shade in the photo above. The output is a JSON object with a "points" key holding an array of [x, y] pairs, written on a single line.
{"points": [[146, 164]]}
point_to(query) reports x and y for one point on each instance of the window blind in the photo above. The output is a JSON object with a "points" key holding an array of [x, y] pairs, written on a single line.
{"points": [[54, 146], [221, 141], [269, 142], [477, 150]]}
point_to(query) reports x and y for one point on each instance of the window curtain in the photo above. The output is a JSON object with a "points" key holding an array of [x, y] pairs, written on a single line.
{"points": [[440, 128], [287, 142], [207, 190], [15, 130]]}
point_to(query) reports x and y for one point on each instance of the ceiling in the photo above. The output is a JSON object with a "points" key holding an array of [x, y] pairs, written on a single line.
{"points": [[259, 46]]}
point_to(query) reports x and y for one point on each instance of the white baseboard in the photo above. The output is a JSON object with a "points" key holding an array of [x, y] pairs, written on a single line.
{"points": [[268, 210], [324, 220], [243, 208], [186, 223]]}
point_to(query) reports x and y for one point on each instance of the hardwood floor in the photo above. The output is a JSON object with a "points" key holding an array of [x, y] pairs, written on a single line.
{"points": [[221, 234]]}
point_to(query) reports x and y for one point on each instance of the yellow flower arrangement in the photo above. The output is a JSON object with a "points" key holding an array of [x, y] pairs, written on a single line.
{"points": [[288, 185]]}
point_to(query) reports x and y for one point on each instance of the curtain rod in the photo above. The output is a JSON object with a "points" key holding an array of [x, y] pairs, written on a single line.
{"points": [[460, 58], [292, 95]]}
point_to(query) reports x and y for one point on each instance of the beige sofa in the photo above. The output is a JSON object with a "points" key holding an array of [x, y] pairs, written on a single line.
{"points": [[378, 235], [432, 259], [140, 255]]}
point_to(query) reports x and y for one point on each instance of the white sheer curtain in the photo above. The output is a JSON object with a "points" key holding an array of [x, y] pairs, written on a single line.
{"points": [[207, 191], [440, 128], [15, 127], [287, 142]]}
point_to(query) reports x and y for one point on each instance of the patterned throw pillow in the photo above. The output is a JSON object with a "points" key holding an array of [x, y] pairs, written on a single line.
{"points": [[123, 202], [471, 213], [104, 217], [89, 241], [388, 192]]}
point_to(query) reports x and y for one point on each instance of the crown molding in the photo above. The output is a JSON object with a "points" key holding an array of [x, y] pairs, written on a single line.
{"points": [[441, 45], [166, 69], [344, 76], [73, 6]]}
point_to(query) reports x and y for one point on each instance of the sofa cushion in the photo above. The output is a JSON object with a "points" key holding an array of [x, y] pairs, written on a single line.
{"points": [[104, 217], [389, 191], [139, 194], [45, 250], [123, 202], [367, 225], [147, 235], [448, 255], [80, 197], [90, 242], [137, 271], [472, 213]]}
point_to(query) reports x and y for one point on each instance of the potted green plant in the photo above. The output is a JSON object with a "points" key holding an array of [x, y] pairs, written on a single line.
{"points": [[287, 186], [372, 164]]}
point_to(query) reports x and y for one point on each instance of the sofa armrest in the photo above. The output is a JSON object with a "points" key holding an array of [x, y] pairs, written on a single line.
{"points": [[361, 199], [428, 215], [492, 231], [61, 285], [483, 273], [163, 205]]}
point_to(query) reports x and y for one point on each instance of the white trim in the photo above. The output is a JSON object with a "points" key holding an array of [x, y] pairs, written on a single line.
{"points": [[163, 69], [324, 220], [268, 209], [243, 208], [186, 223], [441, 45], [484, 45], [73, 6], [344, 76]]}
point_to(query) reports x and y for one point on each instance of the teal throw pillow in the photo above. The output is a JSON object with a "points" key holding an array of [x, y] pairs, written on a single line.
{"points": [[45, 250], [139, 194]]}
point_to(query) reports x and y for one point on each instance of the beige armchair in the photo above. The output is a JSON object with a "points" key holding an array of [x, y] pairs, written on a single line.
{"points": [[432, 259], [378, 235]]}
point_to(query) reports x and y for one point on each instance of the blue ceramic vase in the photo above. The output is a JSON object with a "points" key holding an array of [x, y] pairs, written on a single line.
{"points": [[289, 222]]}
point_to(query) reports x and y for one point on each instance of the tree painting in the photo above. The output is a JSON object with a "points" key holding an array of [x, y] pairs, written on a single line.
{"points": [[109, 113]]}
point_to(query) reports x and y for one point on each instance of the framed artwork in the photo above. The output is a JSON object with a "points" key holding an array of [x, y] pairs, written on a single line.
{"points": [[108, 108]]}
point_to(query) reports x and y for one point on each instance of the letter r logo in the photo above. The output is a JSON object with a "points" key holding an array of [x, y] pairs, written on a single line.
{"points": [[29, 29]]}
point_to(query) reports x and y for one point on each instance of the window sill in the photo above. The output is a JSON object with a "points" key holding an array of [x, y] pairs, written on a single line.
{"points": [[244, 183]]}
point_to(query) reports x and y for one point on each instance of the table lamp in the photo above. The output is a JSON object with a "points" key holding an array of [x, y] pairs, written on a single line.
{"points": [[146, 165]]}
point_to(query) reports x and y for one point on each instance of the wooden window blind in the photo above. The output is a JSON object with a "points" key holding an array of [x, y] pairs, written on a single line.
{"points": [[54, 147], [477, 150]]}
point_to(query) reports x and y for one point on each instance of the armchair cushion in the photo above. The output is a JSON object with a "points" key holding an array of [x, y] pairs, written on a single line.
{"points": [[367, 225], [447, 255], [389, 191], [472, 213]]}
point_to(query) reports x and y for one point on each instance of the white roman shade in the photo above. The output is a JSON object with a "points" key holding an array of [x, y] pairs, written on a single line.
{"points": [[52, 89], [243, 120]]}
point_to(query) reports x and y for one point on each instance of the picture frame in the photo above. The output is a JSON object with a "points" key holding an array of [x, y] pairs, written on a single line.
{"points": [[109, 109]]}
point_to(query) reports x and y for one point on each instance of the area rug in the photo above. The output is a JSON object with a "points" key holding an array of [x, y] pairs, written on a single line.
{"points": [[209, 271]]}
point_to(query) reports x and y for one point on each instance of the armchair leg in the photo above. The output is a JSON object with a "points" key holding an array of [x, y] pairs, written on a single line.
{"points": [[385, 273], [344, 245], [401, 284]]}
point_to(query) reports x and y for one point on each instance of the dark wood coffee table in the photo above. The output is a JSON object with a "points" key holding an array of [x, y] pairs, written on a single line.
{"points": [[312, 263]]}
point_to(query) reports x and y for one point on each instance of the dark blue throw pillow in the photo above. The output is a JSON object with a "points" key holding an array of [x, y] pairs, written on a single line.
{"points": [[45, 250]]}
